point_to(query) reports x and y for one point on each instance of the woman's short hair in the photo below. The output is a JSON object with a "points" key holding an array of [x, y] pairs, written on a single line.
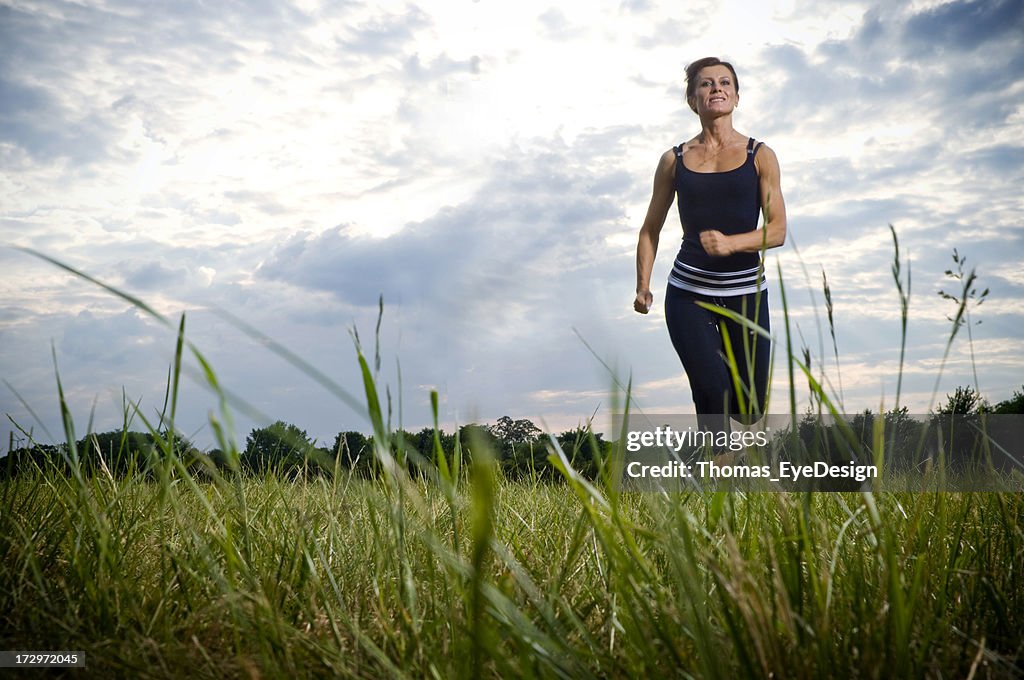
{"points": [[694, 68]]}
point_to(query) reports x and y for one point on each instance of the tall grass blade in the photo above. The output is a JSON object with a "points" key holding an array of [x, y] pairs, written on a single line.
{"points": [[904, 295]]}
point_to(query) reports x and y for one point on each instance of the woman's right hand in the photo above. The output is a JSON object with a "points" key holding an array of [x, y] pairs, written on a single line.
{"points": [[644, 300]]}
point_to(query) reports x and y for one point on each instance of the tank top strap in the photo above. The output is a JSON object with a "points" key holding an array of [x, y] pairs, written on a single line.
{"points": [[752, 147], [679, 168]]}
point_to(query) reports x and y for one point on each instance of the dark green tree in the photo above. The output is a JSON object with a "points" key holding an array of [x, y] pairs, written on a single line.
{"points": [[354, 451], [474, 438], [519, 447], [964, 401], [585, 450], [515, 431], [280, 447], [1014, 404]]}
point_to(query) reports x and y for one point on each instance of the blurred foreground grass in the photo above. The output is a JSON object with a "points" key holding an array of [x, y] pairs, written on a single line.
{"points": [[347, 577]]}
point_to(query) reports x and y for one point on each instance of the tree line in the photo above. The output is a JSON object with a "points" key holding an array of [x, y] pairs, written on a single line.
{"points": [[959, 434], [517, 445]]}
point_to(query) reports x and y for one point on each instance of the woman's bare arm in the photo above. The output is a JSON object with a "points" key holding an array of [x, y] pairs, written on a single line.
{"points": [[650, 232]]}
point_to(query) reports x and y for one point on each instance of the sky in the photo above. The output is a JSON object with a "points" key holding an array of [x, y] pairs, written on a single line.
{"points": [[270, 170]]}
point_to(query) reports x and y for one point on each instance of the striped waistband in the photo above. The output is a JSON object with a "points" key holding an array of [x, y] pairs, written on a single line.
{"points": [[705, 282]]}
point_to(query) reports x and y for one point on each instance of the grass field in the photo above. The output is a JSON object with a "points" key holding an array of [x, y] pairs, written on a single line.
{"points": [[463, 573], [484, 577]]}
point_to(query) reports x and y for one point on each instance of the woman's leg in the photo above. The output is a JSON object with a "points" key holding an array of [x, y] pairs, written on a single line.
{"points": [[752, 352], [697, 341]]}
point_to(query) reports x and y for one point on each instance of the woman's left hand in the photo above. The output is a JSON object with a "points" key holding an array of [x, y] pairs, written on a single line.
{"points": [[715, 243]]}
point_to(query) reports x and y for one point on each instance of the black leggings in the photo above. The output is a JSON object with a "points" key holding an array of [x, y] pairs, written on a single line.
{"points": [[701, 347]]}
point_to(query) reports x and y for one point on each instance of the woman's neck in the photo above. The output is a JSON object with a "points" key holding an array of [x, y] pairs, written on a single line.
{"points": [[717, 132]]}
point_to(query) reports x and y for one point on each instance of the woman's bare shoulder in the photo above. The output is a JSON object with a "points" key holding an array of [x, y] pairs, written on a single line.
{"points": [[766, 159]]}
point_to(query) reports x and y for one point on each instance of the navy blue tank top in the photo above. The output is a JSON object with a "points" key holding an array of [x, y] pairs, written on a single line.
{"points": [[730, 202]]}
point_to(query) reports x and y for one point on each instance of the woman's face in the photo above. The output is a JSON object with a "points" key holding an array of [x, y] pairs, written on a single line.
{"points": [[716, 90]]}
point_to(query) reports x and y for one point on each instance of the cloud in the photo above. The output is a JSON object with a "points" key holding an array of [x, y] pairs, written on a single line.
{"points": [[486, 169], [107, 341], [997, 160], [34, 121], [963, 25], [384, 35], [155, 275], [556, 26], [440, 67], [509, 248], [890, 65]]}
